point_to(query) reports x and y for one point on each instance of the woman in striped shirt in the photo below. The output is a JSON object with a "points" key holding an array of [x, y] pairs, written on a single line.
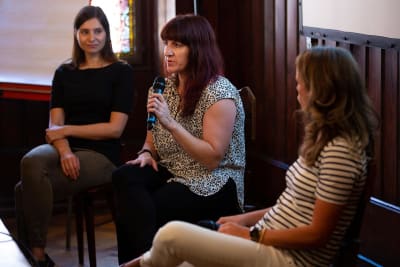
{"points": [[323, 186]]}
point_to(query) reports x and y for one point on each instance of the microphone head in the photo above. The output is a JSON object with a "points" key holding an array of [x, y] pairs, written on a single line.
{"points": [[158, 85]]}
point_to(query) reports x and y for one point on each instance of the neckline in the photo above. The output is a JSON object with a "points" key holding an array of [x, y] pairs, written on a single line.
{"points": [[98, 68]]}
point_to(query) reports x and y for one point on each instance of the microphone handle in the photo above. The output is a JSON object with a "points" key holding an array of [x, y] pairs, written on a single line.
{"points": [[151, 119]]}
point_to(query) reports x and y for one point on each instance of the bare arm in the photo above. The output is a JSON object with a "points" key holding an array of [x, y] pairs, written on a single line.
{"points": [[57, 134], [245, 219], [325, 218], [149, 144], [57, 118], [147, 158], [217, 126], [96, 131], [69, 161]]}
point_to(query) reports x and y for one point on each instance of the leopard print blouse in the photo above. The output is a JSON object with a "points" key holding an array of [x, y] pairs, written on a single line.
{"points": [[185, 169]]}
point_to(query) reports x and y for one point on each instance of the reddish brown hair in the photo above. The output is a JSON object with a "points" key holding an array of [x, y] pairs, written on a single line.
{"points": [[205, 60]]}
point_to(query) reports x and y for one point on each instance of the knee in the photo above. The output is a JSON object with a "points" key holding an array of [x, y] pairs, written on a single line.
{"points": [[30, 164], [169, 233], [119, 176], [123, 176], [38, 157], [37, 162]]}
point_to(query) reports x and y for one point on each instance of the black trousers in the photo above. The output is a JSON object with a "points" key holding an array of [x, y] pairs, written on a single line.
{"points": [[145, 202]]}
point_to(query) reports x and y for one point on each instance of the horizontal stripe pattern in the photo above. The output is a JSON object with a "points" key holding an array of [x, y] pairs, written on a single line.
{"points": [[338, 176]]}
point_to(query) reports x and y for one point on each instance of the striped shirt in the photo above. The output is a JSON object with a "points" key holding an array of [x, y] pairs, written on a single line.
{"points": [[337, 176]]}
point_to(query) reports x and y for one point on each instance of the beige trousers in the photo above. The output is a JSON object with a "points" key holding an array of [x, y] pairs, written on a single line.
{"points": [[183, 244]]}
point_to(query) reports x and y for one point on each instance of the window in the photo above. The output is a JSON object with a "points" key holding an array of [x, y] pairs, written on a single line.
{"points": [[166, 11], [33, 46], [121, 16]]}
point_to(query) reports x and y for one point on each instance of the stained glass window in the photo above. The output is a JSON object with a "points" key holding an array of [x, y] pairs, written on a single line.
{"points": [[121, 16]]}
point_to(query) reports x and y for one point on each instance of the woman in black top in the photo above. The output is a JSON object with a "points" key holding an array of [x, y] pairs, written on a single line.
{"points": [[91, 98]]}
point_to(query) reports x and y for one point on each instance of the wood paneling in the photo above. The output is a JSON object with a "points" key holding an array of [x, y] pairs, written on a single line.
{"points": [[278, 133], [390, 119], [23, 124], [268, 68], [184, 6], [379, 237], [293, 128], [259, 41], [374, 85]]}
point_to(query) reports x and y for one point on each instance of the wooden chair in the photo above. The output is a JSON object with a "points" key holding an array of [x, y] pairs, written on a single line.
{"points": [[84, 212], [82, 204], [249, 106], [348, 253]]}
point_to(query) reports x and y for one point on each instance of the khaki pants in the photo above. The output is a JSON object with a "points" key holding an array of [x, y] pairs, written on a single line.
{"points": [[183, 244], [43, 182]]}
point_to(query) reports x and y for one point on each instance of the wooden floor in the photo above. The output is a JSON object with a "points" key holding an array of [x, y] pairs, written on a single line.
{"points": [[106, 244]]}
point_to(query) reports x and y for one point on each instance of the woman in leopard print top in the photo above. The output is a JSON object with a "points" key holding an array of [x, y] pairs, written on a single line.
{"points": [[192, 163]]}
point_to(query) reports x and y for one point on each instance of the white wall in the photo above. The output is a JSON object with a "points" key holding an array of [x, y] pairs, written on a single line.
{"points": [[35, 37], [371, 17]]}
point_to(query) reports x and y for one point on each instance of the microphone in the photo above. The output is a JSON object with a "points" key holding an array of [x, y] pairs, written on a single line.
{"points": [[158, 88]]}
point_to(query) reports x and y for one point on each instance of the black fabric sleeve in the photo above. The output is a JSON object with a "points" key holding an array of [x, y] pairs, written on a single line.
{"points": [[56, 99]]}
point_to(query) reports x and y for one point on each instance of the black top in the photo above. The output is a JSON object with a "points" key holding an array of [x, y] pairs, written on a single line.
{"points": [[89, 96]]}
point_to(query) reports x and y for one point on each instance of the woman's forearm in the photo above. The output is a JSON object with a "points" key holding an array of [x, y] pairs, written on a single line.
{"points": [[295, 238], [96, 131], [200, 150], [62, 146]]}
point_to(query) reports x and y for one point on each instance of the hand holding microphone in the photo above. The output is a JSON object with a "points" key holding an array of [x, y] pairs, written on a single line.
{"points": [[158, 88]]}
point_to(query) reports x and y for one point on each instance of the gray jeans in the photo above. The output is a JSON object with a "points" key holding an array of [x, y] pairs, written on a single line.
{"points": [[43, 182]]}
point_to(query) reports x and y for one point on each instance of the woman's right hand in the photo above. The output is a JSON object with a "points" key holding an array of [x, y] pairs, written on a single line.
{"points": [[70, 165], [244, 219], [143, 160], [238, 219]]}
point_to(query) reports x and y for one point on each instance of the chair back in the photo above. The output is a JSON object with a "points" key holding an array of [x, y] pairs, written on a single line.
{"points": [[347, 254], [249, 106]]}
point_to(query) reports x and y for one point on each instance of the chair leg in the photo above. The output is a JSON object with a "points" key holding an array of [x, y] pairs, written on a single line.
{"points": [[111, 205], [85, 211], [68, 226], [79, 227], [89, 218]]}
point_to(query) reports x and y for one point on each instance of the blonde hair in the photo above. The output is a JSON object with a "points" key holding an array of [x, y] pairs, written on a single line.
{"points": [[338, 103]]}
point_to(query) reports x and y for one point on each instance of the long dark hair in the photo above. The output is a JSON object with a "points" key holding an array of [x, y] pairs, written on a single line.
{"points": [[338, 104], [205, 60], [86, 13]]}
